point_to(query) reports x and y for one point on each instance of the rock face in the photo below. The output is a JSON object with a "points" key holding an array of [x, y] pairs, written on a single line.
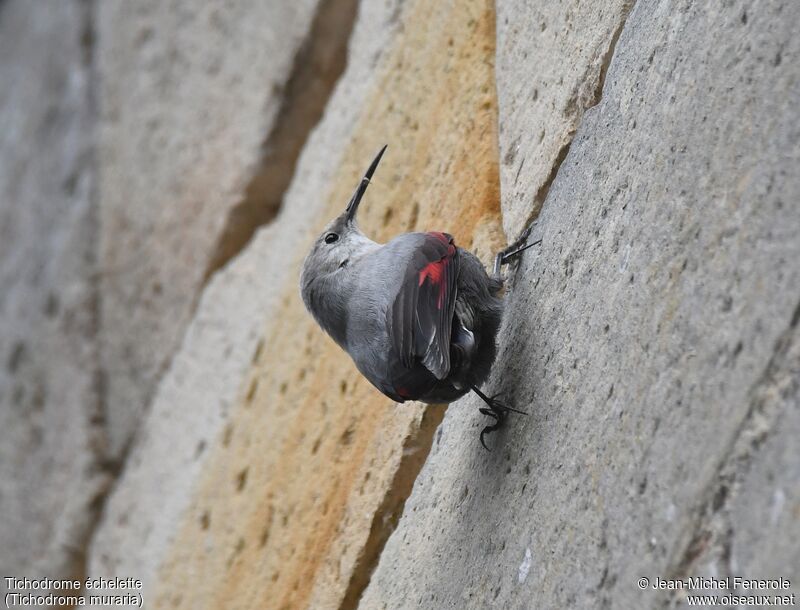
{"points": [[203, 112], [51, 418], [154, 323], [211, 370], [653, 338], [284, 494], [551, 63]]}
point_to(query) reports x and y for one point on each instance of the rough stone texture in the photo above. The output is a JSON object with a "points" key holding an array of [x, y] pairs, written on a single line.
{"points": [[563, 50], [195, 101], [267, 464], [764, 509], [189, 410], [301, 486], [653, 338], [210, 370], [51, 442]]}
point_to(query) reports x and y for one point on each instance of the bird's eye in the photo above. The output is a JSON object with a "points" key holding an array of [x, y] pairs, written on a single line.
{"points": [[331, 237]]}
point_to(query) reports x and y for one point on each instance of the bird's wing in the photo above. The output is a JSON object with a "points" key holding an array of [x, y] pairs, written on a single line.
{"points": [[422, 312]]}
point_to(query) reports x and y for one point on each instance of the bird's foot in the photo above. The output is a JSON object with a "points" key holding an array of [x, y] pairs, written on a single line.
{"points": [[507, 255], [498, 416], [495, 409]]}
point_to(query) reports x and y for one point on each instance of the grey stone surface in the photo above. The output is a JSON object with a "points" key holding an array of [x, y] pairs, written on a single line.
{"points": [[189, 94], [211, 368], [764, 500], [652, 337], [51, 433], [563, 49]]}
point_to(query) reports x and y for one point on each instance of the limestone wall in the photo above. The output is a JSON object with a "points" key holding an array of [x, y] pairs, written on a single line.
{"points": [[169, 412]]}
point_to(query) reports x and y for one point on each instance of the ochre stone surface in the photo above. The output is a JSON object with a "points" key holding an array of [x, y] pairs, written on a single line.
{"points": [[188, 96], [195, 398], [653, 337], [295, 482]]}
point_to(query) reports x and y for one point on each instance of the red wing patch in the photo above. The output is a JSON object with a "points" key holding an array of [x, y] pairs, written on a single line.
{"points": [[435, 273], [422, 312], [442, 237]]}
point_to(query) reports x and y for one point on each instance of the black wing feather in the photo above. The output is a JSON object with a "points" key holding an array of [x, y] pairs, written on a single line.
{"points": [[422, 313]]}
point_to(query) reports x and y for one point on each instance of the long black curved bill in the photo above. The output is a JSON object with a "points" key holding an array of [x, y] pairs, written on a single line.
{"points": [[352, 207]]}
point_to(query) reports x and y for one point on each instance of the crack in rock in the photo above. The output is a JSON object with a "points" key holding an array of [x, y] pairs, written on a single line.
{"points": [[317, 67], [710, 526], [416, 448], [541, 194]]}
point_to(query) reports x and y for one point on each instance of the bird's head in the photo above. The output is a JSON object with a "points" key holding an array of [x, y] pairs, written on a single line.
{"points": [[342, 241]]}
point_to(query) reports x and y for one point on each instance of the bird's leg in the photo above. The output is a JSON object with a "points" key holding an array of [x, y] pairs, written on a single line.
{"points": [[497, 410], [499, 418], [504, 406], [506, 256]]}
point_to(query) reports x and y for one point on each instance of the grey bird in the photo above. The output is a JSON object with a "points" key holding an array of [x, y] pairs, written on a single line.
{"points": [[418, 315]]}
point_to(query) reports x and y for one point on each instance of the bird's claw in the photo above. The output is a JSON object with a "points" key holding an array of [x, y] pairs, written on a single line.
{"points": [[498, 417], [488, 430], [494, 409], [497, 406], [507, 255], [520, 240]]}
